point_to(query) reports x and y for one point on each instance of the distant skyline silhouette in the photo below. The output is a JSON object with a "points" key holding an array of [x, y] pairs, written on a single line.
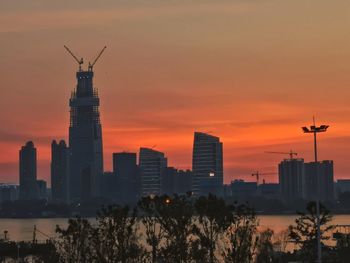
{"points": [[251, 73]]}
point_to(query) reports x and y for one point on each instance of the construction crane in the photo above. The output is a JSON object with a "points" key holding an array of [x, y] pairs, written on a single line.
{"points": [[257, 174], [291, 153], [80, 62], [91, 65]]}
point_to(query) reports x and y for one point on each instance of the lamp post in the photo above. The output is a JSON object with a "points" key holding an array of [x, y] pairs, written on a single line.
{"points": [[314, 129]]}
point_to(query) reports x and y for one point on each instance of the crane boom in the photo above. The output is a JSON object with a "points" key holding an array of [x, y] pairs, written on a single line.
{"points": [[98, 56], [257, 175], [80, 62], [291, 153]]}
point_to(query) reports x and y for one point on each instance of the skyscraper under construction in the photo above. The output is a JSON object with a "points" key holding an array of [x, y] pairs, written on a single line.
{"points": [[85, 137]]}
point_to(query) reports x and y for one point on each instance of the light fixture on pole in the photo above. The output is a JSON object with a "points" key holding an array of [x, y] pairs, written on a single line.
{"points": [[314, 129]]}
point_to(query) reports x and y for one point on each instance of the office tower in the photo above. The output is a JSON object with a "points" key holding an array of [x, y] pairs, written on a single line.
{"points": [[27, 172], [111, 187], [207, 164], [42, 189], [343, 185], [324, 172], [269, 190], [291, 173], [8, 192], [59, 172], [176, 181], [152, 164], [126, 169], [168, 181], [85, 139], [243, 191]]}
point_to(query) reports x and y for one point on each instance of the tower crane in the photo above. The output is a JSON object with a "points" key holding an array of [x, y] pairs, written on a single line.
{"points": [[80, 62], [291, 153], [257, 174], [91, 65]]}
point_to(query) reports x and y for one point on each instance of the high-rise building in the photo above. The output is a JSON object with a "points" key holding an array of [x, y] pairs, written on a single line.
{"points": [[323, 188], [152, 165], [59, 172], [8, 192], [176, 181], [242, 190], [126, 169], [85, 139], [207, 164], [42, 189], [27, 172], [343, 185], [291, 173]]}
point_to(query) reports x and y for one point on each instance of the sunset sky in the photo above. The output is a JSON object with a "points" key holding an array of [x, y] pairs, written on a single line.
{"points": [[249, 71]]}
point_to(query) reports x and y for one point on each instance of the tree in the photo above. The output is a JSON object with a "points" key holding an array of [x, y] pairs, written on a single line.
{"points": [[115, 237], [265, 247], [176, 217], [213, 218], [241, 236], [74, 243], [150, 217], [304, 232]]}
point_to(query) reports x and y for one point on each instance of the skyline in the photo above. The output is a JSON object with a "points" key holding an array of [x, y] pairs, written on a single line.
{"points": [[157, 89]]}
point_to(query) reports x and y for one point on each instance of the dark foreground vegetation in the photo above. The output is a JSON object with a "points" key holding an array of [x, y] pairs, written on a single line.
{"points": [[183, 229]]}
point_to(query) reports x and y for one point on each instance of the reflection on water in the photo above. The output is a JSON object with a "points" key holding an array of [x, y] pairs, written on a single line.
{"points": [[22, 229]]}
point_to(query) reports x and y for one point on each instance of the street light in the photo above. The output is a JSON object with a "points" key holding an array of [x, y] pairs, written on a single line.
{"points": [[314, 129]]}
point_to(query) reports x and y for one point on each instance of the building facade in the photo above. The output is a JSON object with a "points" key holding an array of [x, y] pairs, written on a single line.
{"points": [[85, 140], [152, 165], [126, 169], [291, 174], [59, 172], [207, 164], [27, 172], [319, 181]]}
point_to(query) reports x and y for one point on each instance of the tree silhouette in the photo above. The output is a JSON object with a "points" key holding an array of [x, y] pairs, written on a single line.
{"points": [[214, 217], [304, 232], [115, 236], [74, 244], [241, 236], [153, 230]]}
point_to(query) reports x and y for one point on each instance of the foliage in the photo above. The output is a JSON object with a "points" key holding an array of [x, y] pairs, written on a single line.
{"points": [[74, 243], [115, 236], [214, 217], [304, 233], [265, 253], [241, 236], [177, 220], [153, 231]]}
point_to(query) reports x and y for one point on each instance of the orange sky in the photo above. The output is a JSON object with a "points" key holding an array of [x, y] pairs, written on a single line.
{"points": [[251, 72]]}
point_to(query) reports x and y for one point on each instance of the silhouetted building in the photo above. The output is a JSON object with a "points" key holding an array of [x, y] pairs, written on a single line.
{"points": [[184, 181], [42, 189], [176, 181], [85, 139], [269, 190], [126, 169], [242, 190], [343, 185], [291, 173], [152, 165], [59, 172], [111, 187], [324, 171], [9, 192], [27, 172], [207, 164]]}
